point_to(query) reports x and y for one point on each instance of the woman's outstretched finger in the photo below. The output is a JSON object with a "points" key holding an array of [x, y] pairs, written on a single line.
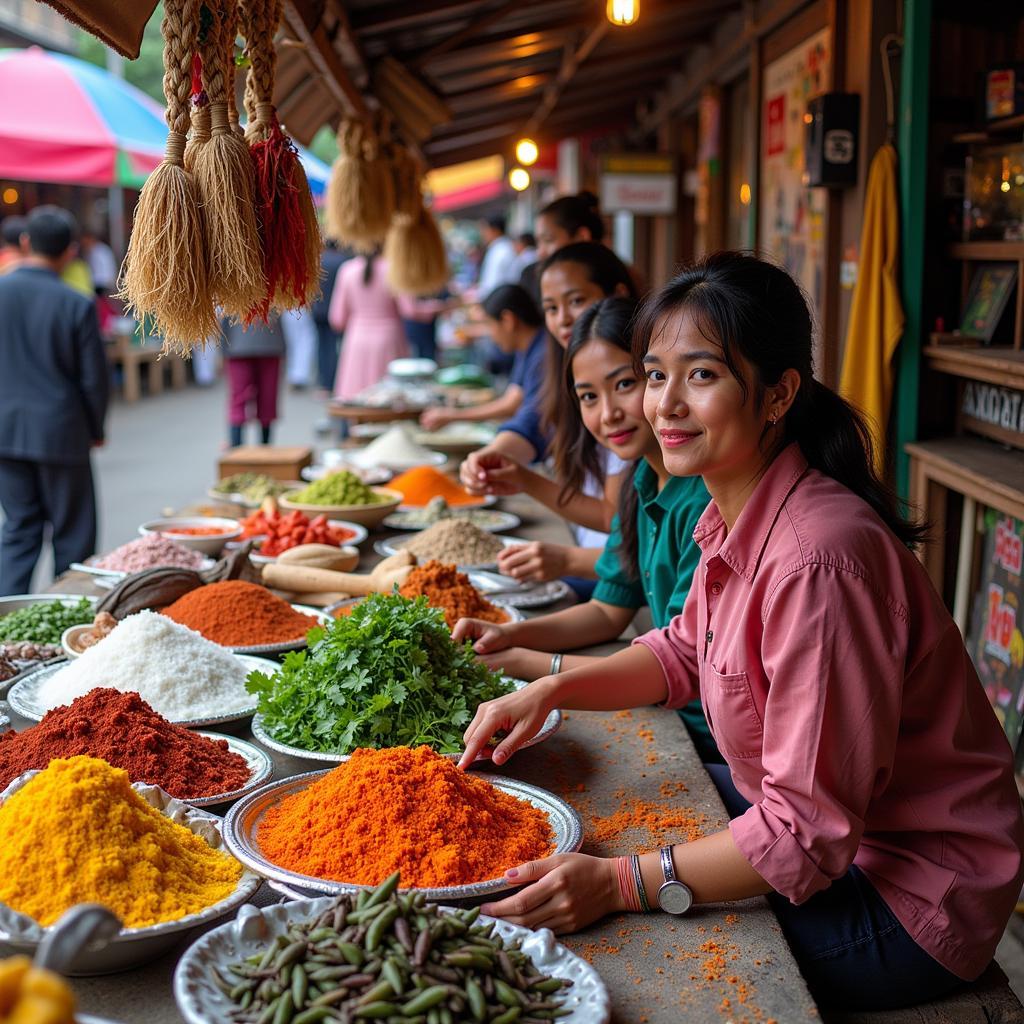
{"points": [[524, 729], [476, 736]]}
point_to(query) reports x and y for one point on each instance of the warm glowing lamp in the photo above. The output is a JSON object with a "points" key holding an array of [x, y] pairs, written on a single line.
{"points": [[519, 178], [527, 152], [623, 12]]}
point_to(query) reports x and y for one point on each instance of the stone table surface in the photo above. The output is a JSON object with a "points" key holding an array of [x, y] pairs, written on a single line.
{"points": [[636, 781]]}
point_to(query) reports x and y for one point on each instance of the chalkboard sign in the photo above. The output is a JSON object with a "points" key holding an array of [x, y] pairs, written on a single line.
{"points": [[994, 639]]}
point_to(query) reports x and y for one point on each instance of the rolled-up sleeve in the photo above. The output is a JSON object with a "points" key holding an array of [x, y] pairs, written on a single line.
{"points": [[833, 650], [676, 650]]}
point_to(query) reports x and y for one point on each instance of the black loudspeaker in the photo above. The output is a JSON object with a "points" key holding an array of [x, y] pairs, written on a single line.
{"points": [[830, 150]]}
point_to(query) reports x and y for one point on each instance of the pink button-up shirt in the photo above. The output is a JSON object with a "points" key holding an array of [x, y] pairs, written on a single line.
{"points": [[838, 688]]}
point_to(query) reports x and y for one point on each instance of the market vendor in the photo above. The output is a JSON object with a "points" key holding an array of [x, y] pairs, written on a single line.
{"points": [[869, 783]]}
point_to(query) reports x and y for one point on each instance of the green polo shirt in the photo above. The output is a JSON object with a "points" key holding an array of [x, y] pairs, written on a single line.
{"points": [[667, 557]]}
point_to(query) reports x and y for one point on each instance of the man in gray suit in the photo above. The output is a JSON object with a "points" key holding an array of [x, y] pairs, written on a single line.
{"points": [[54, 385]]}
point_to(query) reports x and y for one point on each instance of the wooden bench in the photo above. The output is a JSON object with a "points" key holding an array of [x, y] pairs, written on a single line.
{"points": [[132, 358]]}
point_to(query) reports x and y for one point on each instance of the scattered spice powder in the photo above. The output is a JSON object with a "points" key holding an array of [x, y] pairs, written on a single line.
{"points": [[123, 730], [239, 614], [78, 833], [421, 484], [450, 590], [403, 809]]}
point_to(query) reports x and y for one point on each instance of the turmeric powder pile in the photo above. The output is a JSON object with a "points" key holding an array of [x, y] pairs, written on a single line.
{"points": [[78, 833], [403, 809], [450, 590]]}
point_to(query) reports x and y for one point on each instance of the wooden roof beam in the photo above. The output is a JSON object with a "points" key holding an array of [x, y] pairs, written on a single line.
{"points": [[570, 62], [469, 30], [346, 40], [378, 18]]}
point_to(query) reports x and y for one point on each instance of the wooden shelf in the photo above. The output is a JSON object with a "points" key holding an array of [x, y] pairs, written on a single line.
{"points": [[1001, 366], [994, 131], [986, 251]]}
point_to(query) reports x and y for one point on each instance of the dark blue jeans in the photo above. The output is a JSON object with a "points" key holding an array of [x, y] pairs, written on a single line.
{"points": [[851, 948]]}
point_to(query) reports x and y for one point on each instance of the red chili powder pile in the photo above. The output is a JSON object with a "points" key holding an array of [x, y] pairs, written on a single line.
{"points": [[123, 730], [239, 614]]}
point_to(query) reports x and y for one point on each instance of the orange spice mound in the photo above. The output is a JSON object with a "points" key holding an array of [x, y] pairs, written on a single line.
{"points": [[450, 590], [403, 809], [421, 484]]}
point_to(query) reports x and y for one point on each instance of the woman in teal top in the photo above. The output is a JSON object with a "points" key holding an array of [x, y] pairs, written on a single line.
{"points": [[650, 556]]}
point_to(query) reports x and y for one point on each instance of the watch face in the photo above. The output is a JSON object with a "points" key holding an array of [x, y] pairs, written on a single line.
{"points": [[675, 898]]}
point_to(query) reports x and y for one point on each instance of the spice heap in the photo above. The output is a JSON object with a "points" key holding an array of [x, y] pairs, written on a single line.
{"points": [[423, 483], [381, 955], [282, 532], [78, 833], [388, 673], [33, 995], [44, 621], [341, 488], [198, 531], [253, 487], [181, 675], [123, 730], [403, 809], [238, 614], [437, 509], [455, 540], [17, 657], [148, 552], [446, 588], [395, 447]]}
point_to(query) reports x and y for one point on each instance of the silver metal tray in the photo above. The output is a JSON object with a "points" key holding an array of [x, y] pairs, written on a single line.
{"points": [[498, 520], [393, 545], [242, 824], [289, 645], [133, 946], [509, 592], [261, 767], [200, 1001], [24, 696], [259, 730], [92, 569]]}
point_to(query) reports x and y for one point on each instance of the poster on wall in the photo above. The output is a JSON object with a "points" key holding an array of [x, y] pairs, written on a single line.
{"points": [[994, 639], [791, 215]]}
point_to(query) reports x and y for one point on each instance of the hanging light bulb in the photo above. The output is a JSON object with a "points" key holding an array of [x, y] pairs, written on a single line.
{"points": [[519, 179], [623, 12], [527, 152]]}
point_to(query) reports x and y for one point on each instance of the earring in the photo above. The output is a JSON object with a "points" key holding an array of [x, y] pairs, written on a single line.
{"points": [[773, 418]]}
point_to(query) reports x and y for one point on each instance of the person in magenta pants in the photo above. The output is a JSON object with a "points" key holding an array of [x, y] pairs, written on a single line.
{"points": [[252, 362], [869, 784]]}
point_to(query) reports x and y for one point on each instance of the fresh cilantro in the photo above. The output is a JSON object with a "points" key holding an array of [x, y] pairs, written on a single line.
{"points": [[388, 674]]}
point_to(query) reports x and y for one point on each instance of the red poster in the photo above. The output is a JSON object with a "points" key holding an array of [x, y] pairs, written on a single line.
{"points": [[775, 125]]}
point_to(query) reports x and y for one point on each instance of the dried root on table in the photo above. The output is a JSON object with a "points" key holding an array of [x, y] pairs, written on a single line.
{"points": [[304, 579]]}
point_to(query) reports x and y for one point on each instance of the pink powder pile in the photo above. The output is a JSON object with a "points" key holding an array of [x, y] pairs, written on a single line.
{"points": [[148, 552]]}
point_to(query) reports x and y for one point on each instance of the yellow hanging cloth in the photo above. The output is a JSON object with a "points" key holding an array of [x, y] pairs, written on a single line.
{"points": [[876, 316]]}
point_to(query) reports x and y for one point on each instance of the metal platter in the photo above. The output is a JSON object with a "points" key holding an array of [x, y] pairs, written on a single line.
{"points": [[494, 520], [288, 645], [201, 1001], [24, 695], [531, 595], [395, 544], [261, 767], [259, 730], [133, 946], [89, 566], [18, 601], [242, 824]]}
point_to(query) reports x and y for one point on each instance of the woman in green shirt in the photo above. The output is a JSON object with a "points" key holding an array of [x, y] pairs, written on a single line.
{"points": [[650, 556]]}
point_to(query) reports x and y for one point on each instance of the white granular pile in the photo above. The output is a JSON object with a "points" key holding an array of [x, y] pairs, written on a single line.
{"points": [[181, 674]]}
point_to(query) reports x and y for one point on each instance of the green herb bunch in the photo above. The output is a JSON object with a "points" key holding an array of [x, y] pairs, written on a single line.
{"points": [[386, 675]]}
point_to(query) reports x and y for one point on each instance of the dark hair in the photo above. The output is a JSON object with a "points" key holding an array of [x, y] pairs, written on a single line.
{"points": [[497, 223], [528, 239], [756, 311], [607, 271], [516, 300], [12, 228], [370, 259], [577, 453], [51, 229], [571, 213]]}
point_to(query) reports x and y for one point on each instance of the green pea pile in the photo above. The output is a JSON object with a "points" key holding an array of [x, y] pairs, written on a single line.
{"points": [[385, 956], [341, 488], [44, 621]]}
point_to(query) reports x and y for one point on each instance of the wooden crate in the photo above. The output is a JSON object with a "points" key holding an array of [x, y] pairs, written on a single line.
{"points": [[282, 462]]}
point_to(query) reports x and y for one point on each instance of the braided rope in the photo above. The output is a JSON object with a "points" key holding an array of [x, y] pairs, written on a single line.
{"points": [[180, 29], [260, 20], [212, 52]]}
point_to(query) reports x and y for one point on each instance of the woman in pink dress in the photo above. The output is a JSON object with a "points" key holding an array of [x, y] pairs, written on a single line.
{"points": [[364, 308]]}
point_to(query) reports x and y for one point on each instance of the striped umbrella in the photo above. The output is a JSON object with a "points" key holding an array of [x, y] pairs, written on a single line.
{"points": [[66, 121]]}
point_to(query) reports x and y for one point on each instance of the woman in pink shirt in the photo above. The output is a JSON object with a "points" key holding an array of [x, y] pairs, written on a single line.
{"points": [[869, 783]]}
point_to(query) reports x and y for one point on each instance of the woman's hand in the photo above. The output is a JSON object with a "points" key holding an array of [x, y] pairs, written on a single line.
{"points": [[487, 637], [519, 662], [564, 893], [436, 418], [520, 715], [538, 561], [486, 472]]}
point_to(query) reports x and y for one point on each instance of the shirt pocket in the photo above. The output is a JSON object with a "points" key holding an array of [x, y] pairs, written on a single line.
{"points": [[737, 726]]}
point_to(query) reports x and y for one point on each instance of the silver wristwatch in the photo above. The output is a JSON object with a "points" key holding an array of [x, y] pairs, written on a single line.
{"points": [[674, 897]]}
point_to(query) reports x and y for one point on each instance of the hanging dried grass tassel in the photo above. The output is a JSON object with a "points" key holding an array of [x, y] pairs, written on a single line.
{"points": [[288, 223], [406, 172], [415, 254], [361, 192], [225, 179], [165, 270]]}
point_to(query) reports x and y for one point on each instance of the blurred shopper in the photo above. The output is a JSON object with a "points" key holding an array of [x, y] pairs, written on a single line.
{"points": [[54, 387], [328, 338], [498, 265], [252, 361], [300, 339], [526, 253], [563, 221], [11, 230], [102, 263]]}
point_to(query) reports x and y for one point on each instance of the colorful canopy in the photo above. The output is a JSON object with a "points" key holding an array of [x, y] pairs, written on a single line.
{"points": [[66, 121]]}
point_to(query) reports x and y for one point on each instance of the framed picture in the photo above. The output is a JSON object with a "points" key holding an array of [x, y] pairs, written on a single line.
{"points": [[990, 290]]}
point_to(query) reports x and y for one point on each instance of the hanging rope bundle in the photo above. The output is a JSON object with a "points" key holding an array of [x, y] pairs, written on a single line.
{"points": [[406, 171], [415, 254], [361, 192], [290, 232], [225, 178], [165, 270]]}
